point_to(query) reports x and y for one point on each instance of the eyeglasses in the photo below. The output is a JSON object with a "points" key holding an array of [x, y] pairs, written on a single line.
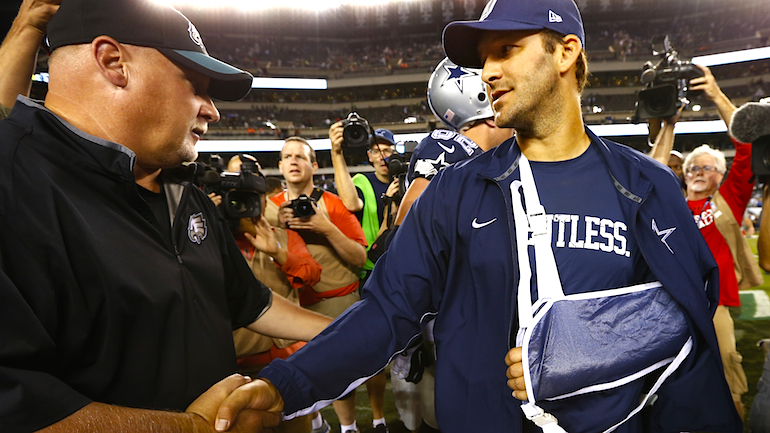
{"points": [[705, 169], [385, 151]]}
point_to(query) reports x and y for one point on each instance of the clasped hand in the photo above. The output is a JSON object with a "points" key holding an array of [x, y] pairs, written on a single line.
{"points": [[237, 404]]}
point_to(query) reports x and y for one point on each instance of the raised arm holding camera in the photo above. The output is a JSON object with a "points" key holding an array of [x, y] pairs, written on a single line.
{"points": [[717, 202], [370, 196]]}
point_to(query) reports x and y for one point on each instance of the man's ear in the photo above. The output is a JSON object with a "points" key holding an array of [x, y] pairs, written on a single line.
{"points": [[315, 167], [569, 52], [111, 58]]}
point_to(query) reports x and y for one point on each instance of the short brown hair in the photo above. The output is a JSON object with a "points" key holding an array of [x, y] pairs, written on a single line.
{"points": [[301, 140], [550, 39]]}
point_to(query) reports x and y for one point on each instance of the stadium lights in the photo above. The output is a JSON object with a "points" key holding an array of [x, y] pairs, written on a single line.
{"points": [[614, 130], [733, 57], [258, 5], [289, 83]]}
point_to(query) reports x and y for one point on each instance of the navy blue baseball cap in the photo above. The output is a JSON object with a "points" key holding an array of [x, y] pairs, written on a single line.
{"points": [[461, 38], [149, 24], [383, 134]]}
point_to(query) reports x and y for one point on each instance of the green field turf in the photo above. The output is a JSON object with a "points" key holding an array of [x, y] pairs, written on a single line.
{"points": [[752, 323]]}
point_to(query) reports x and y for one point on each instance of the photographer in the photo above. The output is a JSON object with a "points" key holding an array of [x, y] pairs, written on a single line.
{"points": [[333, 236], [280, 259], [717, 208], [373, 197], [370, 196]]}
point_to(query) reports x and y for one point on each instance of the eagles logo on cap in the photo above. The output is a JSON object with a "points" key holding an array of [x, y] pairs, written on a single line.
{"points": [[194, 35]]}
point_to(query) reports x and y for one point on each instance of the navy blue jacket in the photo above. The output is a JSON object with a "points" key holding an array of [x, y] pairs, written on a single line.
{"points": [[438, 264]]}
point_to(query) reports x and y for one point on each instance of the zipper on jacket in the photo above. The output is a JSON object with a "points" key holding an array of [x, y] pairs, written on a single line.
{"points": [[174, 228], [178, 256], [508, 205]]}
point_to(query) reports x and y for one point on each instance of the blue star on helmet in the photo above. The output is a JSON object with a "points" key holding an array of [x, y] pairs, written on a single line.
{"points": [[458, 74]]}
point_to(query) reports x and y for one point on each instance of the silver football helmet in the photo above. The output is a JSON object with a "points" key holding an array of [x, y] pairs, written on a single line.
{"points": [[456, 95]]}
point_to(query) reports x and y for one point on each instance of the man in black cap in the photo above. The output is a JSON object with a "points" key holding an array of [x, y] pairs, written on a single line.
{"points": [[120, 284], [601, 216]]}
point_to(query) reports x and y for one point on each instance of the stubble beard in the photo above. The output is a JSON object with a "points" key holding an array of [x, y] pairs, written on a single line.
{"points": [[528, 113]]}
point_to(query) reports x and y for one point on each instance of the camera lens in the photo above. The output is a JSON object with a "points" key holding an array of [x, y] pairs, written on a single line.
{"points": [[303, 210], [659, 101], [242, 204], [356, 136]]}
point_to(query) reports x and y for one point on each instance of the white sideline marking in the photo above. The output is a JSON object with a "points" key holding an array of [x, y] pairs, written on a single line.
{"points": [[761, 302]]}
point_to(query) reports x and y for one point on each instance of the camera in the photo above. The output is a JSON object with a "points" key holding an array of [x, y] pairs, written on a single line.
{"points": [[666, 83], [303, 206], [356, 132], [241, 192], [398, 165]]}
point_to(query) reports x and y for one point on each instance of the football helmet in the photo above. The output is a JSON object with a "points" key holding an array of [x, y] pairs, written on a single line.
{"points": [[456, 95]]}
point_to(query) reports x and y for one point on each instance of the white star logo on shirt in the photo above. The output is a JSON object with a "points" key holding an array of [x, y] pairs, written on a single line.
{"points": [[664, 234], [430, 167]]}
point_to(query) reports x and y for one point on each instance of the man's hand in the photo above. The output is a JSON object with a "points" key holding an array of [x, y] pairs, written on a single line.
{"points": [[515, 373], [216, 198], [318, 222], [259, 395], [335, 135], [204, 410], [392, 188], [707, 83], [37, 13], [265, 239]]}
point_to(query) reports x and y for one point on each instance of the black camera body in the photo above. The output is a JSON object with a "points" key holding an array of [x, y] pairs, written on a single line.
{"points": [[398, 166], [303, 206], [356, 132], [666, 84], [398, 163], [241, 192]]}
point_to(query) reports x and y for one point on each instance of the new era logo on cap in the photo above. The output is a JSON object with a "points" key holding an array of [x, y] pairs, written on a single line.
{"points": [[553, 17], [487, 9]]}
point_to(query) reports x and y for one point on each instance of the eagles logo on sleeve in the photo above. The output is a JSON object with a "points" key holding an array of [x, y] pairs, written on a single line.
{"points": [[196, 228]]}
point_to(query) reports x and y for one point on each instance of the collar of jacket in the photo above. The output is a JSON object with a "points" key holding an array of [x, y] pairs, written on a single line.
{"points": [[111, 156], [621, 162]]}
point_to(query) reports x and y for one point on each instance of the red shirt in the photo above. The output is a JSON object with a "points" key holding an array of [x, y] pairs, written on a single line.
{"points": [[736, 190]]}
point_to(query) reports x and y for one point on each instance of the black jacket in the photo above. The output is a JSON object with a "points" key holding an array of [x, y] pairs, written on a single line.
{"points": [[95, 304]]}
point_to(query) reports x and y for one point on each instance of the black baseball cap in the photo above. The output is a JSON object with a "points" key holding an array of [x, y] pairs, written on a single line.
{"points": [[461, 38], [149, 24]]}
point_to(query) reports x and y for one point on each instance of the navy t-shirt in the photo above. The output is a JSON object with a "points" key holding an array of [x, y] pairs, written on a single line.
{"points": [[588, 229], [379, 188]]}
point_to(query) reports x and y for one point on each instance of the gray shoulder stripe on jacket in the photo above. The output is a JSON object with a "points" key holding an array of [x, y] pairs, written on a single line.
{"points": [[626, 193], [508, 172]]}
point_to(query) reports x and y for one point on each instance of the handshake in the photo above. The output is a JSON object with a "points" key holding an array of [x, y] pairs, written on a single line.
{"points": [[237, 404]]}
